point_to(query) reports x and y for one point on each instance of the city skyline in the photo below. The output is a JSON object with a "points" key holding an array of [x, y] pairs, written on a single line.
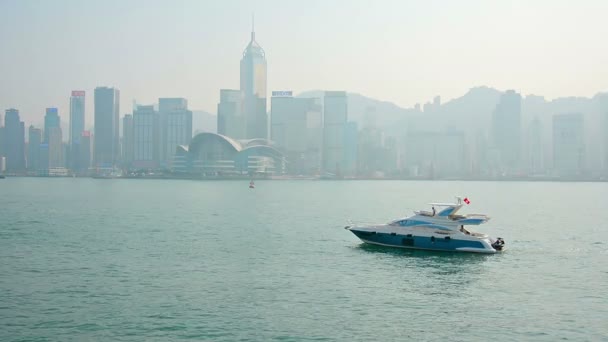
{"points": [[328, 133], [404, 55]]}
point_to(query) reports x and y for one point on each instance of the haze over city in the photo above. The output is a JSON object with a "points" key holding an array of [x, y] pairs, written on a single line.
{"points": [[405, 52], [435, 90], [328, 170]]}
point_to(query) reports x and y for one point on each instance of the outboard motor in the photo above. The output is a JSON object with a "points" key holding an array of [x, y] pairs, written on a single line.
{"points": [[498, 244]]}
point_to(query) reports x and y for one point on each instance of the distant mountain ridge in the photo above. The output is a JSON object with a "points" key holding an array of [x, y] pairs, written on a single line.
{"points": [[387, 112], [470, 112]]}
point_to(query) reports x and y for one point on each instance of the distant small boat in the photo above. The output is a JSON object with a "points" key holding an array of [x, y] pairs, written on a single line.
{"points": [[2, 177], [251, 185]]}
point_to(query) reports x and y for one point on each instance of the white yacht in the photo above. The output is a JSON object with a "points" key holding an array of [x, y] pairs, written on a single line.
{"points": [[441, 229]]}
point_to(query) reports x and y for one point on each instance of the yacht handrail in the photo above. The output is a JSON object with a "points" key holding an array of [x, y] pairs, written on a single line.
{"points": [[445, 204], [476, 215]]}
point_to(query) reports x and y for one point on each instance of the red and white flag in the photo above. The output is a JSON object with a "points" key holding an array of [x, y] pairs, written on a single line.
{"points": [[466, 200]]}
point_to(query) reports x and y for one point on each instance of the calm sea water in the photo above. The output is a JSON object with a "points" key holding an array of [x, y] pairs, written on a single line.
{"points": [[159, 260]]}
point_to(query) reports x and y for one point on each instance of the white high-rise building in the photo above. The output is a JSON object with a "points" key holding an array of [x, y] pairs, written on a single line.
{"points": [[176, 122], [230, 117], [146, 138]]}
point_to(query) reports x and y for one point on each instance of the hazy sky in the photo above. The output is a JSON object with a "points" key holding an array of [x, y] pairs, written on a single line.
{"points": [[400, 51]]}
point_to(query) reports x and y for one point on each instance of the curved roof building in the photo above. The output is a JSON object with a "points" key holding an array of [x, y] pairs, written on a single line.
{"points": [[214, 154]]}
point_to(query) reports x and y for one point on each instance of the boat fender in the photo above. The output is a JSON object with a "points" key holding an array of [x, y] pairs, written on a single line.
{"points": [[432, 239]]}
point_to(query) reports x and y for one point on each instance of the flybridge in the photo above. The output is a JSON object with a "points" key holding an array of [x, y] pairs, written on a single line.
{"points": [[459, 201]]}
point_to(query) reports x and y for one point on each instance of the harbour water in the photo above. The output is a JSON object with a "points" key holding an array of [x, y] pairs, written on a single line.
{"points": [[164, 260]]}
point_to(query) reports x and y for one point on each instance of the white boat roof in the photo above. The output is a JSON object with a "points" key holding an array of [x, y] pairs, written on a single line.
{"points": [[458, 203], [444, 204]]}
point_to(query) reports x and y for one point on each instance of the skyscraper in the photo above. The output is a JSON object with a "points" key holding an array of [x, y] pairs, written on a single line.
{"points": [[76, 126], [253, 87], [506, 131], [568, 144], [14, 141], [435, 154], [296, 129], [605, 119], [127, 140], [1, 139], [335, 116], [107, 106], [534, 147], [351, 144], [230, 117], [85, 153], [33, 148], [51, 119], [146, 137], [53, 137], [55, 142], [604, 123], [170, 104], [371, 145], [176, 122]]}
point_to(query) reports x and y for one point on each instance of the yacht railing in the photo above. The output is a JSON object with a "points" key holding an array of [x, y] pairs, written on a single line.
{"points": [[476, 215]]}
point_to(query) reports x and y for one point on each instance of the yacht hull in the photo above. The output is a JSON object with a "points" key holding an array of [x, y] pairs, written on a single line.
{"points": [[434, 243]]}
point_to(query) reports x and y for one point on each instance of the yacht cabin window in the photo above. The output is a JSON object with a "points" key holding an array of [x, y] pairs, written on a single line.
{"points": [[399, 223]]}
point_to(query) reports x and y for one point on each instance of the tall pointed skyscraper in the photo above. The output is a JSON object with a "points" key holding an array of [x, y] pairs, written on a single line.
{"points": [[253, 87]]}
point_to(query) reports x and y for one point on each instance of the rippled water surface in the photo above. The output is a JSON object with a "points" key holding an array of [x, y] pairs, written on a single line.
{"points": [[160, 260]]}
